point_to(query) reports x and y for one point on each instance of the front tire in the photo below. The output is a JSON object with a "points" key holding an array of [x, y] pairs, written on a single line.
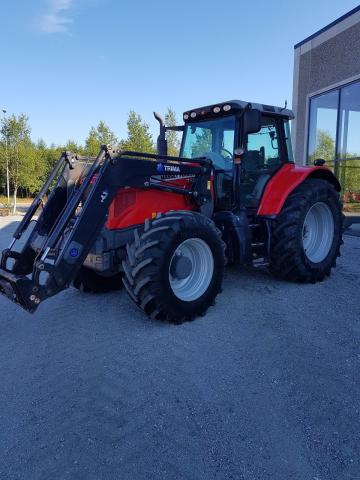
{"points": [[307, 234], [174, 269]]}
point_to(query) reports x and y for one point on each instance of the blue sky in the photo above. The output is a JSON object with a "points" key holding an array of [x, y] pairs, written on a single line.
{"points": [[69, 63]]}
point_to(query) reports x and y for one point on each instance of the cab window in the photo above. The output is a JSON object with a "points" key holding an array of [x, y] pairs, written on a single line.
{"points": [[263, 148], [212, 138]]}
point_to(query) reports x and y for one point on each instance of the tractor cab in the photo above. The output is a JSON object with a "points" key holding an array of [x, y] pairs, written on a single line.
{"points": [[247, 143]]}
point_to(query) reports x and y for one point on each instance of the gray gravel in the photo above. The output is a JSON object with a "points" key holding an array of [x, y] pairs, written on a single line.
{"points": [[266, 386]]}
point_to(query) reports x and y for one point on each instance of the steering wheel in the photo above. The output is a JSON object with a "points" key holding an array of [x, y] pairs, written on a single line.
{"points": [[228, 160], [228, 152], [219, 161]]}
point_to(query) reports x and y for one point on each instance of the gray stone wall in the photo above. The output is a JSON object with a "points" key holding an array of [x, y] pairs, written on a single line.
{"points": [[328, 64]]}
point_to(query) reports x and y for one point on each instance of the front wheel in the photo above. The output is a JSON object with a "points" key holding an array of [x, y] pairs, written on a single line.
{"points": [[307, 234], [174, 268]]}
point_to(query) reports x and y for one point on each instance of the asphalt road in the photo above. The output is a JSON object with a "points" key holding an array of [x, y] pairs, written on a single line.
{"points": [[266, 386]]}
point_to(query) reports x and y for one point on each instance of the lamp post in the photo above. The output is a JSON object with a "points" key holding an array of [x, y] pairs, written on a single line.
{"points": [[6, 158]]}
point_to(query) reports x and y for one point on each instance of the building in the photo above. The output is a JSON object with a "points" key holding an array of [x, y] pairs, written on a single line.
{"points": [[326, 101]]}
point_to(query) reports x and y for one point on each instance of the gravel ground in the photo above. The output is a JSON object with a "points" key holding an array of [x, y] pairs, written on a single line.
{"points": [[266, 386]]}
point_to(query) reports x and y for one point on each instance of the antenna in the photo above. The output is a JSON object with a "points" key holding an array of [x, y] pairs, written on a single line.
{"points": [[284, 106]]}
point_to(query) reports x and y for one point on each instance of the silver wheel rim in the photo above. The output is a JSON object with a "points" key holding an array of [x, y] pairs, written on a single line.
{"points": [[197, 282], [318, 232]]}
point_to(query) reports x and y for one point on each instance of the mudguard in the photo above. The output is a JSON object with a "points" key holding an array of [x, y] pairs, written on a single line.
{"points": [[285, 180]]}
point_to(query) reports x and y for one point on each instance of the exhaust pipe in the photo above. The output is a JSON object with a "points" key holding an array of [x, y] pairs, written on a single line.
{"points": [[161, 143]]}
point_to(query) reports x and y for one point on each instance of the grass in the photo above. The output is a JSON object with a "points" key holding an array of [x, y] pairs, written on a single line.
{"points": [[19, 201]]}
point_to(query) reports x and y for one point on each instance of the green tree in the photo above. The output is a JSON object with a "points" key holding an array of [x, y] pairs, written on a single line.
{"points": [[139, 138], [172, 136], [73, 146], [348, 170], [52, 155], [202, 144], [25, 171], [101, 135], [325, 146], [46, 157], [4, 157]]}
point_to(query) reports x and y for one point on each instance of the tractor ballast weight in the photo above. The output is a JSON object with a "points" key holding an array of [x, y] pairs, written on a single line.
{"points": [[167, 225]]}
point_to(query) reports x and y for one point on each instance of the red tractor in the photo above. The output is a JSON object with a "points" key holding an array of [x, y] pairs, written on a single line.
{"points": [[166, 226]]}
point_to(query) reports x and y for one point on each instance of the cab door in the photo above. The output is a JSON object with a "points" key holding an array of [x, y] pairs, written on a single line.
{"points": [[263, 156]]}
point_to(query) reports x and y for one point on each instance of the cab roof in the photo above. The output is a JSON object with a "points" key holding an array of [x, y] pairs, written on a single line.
{"points": [[233, 106]]}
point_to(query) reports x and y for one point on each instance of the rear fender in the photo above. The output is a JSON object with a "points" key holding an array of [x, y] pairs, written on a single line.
{"points": [[284, 182]]}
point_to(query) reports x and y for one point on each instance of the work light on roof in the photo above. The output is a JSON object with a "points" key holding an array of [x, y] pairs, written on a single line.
{"points": [[193, 114], [226, 108], [186, 116], [216, 109]]}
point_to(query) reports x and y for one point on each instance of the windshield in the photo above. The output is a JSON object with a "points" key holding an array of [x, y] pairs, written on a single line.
{"points": [[211, 138]]}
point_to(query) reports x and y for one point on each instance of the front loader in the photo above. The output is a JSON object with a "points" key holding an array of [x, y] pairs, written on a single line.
{"points": [[166, 226]]}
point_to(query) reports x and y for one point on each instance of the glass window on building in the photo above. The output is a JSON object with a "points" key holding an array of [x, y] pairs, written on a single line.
{"points": [[323, 126], [334, 135], [349, 143]]}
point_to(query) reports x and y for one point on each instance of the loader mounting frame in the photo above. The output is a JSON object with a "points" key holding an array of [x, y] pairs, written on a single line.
{"points": [[72, 235]]}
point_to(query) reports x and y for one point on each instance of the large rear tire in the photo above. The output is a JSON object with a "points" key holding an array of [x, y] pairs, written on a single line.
{"points": [[307, 234], [174, 269]]}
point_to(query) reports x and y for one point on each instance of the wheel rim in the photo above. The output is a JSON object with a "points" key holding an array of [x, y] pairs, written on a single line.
{"points": [[318, 232], [196, 255]]}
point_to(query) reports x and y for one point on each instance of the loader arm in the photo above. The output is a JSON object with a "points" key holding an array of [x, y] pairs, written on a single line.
{"points": [[73, 231]]}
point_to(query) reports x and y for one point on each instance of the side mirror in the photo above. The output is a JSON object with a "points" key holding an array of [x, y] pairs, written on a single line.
{"points": [[252, 121], [238, 154]]}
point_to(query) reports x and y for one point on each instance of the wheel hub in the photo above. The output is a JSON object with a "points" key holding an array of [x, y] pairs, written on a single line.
{"points": [[191, 269], [180, 267], [318, 232]]}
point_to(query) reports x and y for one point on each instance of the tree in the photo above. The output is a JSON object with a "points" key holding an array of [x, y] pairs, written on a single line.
{"points": [[4, 158], [72, 146], [202, 143], [101, 135], [23, 165], [139, 138], [31, 170], [172, 136], [325, 146], [348, 170]]}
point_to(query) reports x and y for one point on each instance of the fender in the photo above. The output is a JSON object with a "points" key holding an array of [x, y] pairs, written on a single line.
{"points": [[285, 180]]}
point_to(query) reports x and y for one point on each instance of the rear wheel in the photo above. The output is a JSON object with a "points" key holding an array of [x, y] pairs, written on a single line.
{"points": [[87, 280], [307, 234], [174, 268]]}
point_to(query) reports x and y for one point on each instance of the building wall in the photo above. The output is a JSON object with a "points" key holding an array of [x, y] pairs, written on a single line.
{"points": [[324, 62]]}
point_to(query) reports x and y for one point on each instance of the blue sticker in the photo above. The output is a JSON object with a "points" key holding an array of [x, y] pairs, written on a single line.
{"points": [[160, 167], [74, 252]]}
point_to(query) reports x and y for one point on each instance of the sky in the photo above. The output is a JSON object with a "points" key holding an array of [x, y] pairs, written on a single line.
{"points": [[69, 63]]}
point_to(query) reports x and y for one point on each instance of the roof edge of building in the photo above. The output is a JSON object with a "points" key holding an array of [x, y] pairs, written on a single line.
{"points": [[327, 27]]}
